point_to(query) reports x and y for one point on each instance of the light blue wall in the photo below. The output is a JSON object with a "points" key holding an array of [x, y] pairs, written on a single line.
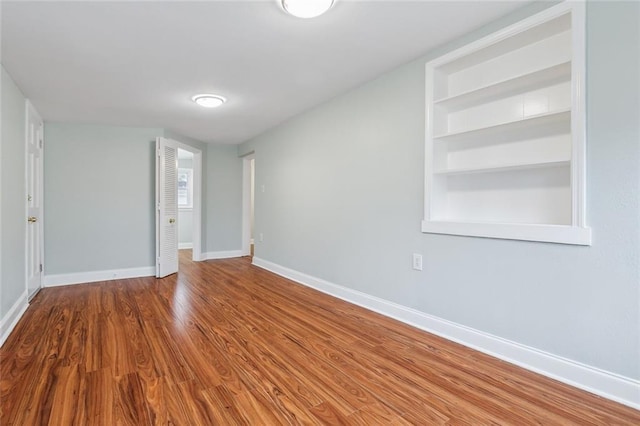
{"points": [[99, 186], [343, 201], [13, 195], [224, 198], [185, 226], [99, 197]]}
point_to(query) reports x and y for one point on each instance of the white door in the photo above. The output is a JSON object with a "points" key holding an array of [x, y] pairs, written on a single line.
{"points": [[34, 142], [166, 207]]}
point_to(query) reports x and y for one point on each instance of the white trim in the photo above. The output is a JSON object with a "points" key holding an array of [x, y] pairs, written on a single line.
{"points": [[609, 385], [93, 276], [197, 206], [513, 231], [246, 203], [10, 320], [212, 255], [182, 246], [578, 114]]}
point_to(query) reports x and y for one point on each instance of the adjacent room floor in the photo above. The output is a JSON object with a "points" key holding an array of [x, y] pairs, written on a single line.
{"points": [[224, 343]]}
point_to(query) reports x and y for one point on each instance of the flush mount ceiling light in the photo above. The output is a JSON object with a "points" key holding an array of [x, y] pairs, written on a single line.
{"points": [[208, 101], [306, 8]]}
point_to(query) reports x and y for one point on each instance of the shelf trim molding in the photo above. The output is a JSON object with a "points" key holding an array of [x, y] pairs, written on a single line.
{"points": [[562, 234], [578, 114]]}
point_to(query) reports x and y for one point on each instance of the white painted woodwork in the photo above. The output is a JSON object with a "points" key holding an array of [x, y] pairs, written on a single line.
{"points": [[248, 192], [34, 202], [167, 207], [505, 137]]}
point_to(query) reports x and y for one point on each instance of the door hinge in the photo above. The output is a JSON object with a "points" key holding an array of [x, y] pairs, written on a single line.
{"points": [[41, 143], [41, 268]]}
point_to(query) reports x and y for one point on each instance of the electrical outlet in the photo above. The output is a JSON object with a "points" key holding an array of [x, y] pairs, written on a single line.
{"points": [[261, 237], [417, 262]]}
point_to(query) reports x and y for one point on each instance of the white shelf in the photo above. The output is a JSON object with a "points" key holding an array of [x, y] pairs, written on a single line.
{"points": [[508, 40], [522, 83], [503, 168], [510, 126]]}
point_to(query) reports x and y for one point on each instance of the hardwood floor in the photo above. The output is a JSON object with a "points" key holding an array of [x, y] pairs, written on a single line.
{"points": [[226, 343]]}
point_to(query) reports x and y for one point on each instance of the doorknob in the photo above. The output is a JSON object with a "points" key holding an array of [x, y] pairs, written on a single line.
{"points": [[32, 219], [172, 220]]}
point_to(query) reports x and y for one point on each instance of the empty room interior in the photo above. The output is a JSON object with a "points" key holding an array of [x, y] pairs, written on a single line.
{"points": [[320, 212]]}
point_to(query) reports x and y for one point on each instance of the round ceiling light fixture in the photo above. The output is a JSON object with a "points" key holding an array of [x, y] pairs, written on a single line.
{"points": [[208, 101], [306, 8]]}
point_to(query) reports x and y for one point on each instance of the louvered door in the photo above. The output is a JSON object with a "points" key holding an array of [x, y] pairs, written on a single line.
{"points": [[166, 208]]}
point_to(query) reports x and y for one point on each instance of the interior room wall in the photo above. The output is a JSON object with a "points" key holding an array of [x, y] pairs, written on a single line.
{"points": [[13, 195], [224, 198], [99, 197], [105, 201], [343, 202]]}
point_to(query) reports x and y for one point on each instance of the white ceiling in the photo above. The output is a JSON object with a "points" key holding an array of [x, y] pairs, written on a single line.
{"points": [[139, 63]]}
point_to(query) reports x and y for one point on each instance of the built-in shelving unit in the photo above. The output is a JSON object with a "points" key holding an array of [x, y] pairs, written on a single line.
{"points": [[505, 140]]}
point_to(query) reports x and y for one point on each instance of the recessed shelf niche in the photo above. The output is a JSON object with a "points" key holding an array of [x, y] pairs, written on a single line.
{"points": [[505, 139]]}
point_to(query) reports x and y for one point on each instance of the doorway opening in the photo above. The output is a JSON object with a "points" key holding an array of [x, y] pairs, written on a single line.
{"points": [[248, 204], [179, 204]]}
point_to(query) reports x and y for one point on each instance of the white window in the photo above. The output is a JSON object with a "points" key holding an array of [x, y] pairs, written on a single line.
{"points": [[185, 188]]}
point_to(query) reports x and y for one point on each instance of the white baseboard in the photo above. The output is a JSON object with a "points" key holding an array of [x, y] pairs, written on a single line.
{"points": [[93, 276], [182, 246], [609, 385], [9, 321], [212, 255]]}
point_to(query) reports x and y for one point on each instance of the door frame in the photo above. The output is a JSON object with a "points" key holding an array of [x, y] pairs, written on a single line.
{"points": [[30, 110], [246, 202], [197, 198]]}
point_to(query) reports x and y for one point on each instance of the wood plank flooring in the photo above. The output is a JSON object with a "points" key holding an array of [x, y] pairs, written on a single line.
{"points": [[226, 343]]}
